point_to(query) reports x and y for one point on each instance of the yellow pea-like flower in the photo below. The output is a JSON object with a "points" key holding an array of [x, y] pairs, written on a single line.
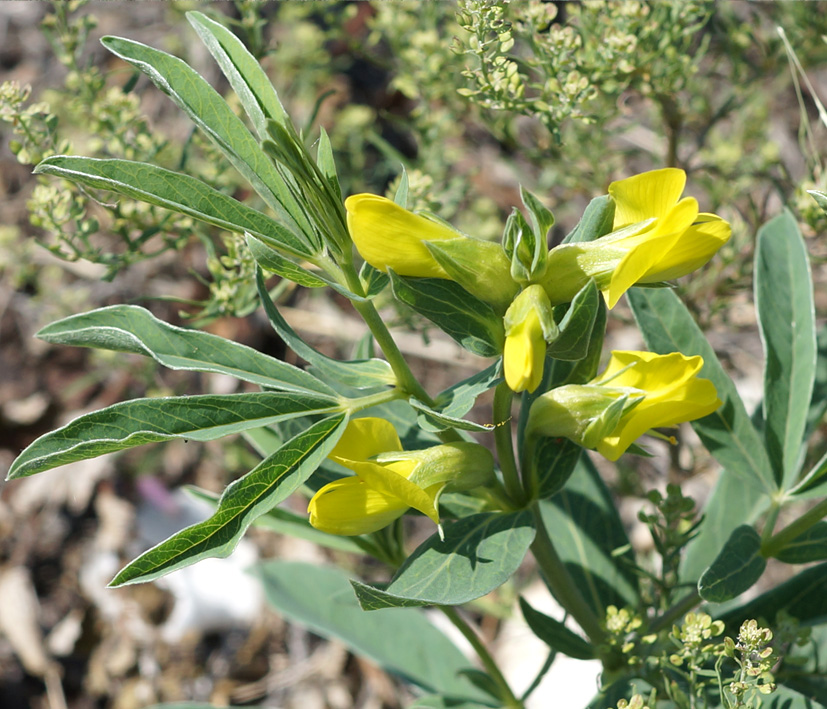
{"points": [[657, 236], [637, 392], [528, 323], [389, 480]]}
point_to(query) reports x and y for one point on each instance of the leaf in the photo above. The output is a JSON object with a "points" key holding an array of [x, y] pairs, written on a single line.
{"points": [[271, 260], [720, 518], [554, 461], [786, 316], [457, 400], [469, 321], [270, 482], [129, 328], [210, 112], [575, 329], [584, 524], [596, 221], [555, 634], [134, 423], [802, 597], [737, 567], [434, 701], [401, 640], [282, 521], [809, 546], [175, 191], [478, 554], [728, 434], [257, 95], [361, 374]]}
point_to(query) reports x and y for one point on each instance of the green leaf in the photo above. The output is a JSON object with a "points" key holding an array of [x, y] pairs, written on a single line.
{"points": [[211, 113], [802, 597], [596, 221], [434, 701], [271, 260], [282, 521], [472, 323], [720, 518], [786, 316], [575, 329], [587, 532], [556, 635], [129, 328], [479, 554], [814, 483], [456, 401], [175, 191], [327, 164], [401, 640], [728, 434], [256, 93], [809, 546], [270, 482], [134, 423], [361, 374], [554, 461], [737, 567]]}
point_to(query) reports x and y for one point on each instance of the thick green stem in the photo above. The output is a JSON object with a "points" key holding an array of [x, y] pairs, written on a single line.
{"points": [[507, 696], [791, 531], [503, 396], [769, 523], [561, 583]]}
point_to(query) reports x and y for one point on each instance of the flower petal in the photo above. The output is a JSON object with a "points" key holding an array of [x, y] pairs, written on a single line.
{"points": [[394, 483], [696, 246], [650, 194], [350, 506], [388, 236], [365, 438]]}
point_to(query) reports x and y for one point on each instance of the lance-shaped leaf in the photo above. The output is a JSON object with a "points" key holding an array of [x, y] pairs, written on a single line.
{"points": [[175, 191], [134, 423], [401, 640], [806, 547], [271, 260], [555, 634], [453, 403], [129, 328], [738, 566], [472, 323], [361, 374], [210, 112], [478, 554], [802, 597], [786, 315], [245, 499], [575, 329], [256, 93]]}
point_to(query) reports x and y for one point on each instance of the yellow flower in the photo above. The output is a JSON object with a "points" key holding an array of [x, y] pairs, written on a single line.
{"points": [[637, 392], [388, 480], [657, 236], [390, 237], [527, 323]]}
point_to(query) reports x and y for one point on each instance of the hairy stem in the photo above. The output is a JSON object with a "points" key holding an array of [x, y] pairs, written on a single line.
{"points": [[778, 541]]}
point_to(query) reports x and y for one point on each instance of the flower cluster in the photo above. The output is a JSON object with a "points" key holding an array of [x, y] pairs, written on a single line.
{"points": [[656, 235]]}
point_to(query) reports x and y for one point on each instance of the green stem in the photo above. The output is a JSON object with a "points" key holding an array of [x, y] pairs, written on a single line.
{"points": [[507, 696], [802, 524], [561, 583], [503, 396], [678, 610], [365, 402]]}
